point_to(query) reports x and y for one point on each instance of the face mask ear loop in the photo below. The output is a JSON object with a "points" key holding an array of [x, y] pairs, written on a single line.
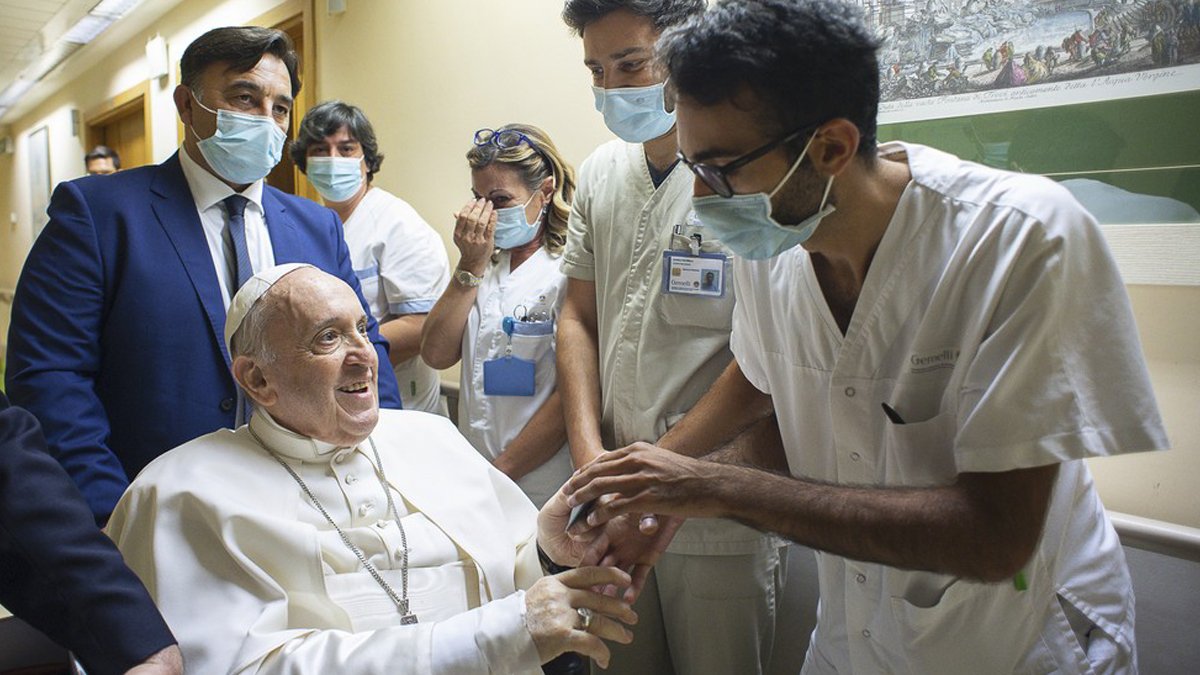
{"points": [[795, 166], [197, 100], [825, 197]]}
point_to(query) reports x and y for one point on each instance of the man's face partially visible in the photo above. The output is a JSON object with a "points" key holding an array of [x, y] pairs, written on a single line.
{"points": [[323, 371], [720, 133], [618, 49], [263, 91], [100, 166]]}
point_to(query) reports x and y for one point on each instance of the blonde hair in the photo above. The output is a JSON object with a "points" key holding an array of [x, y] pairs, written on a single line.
{"points": [[534, 160]]}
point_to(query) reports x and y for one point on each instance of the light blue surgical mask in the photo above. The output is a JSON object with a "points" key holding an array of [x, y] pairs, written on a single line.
{"points": [[635, 114], [745, 225], [244, 148], [512, 230], [336, 178]]}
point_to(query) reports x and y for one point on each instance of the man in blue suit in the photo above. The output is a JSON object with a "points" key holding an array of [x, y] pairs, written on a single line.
{"points": [[60, 574], [116, 340]]}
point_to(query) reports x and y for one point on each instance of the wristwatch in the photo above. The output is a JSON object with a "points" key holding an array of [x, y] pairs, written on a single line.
{"points": [[467, 278]]}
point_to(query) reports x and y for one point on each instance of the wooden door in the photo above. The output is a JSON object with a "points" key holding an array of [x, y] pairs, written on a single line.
{"points": [[121, 123]]}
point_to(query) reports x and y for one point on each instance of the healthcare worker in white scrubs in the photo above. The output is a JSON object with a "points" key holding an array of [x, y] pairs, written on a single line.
{"points": [[399, 259], [937, 347], [498, 315]]}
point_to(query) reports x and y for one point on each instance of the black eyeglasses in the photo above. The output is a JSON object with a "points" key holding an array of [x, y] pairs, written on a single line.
{"points": [[717, 177]]}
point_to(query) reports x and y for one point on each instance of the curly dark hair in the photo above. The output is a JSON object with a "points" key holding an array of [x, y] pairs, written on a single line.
{"points": [[577, 14], [808, 61]]}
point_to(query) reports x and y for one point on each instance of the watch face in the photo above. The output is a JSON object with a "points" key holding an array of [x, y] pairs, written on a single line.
{"points": [[466, 278]]}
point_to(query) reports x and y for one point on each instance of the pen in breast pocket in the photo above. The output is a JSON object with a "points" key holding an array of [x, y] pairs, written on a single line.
{"points": [[892, 414]]}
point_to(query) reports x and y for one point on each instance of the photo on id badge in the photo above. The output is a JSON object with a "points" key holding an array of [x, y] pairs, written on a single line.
{"points": [[701, 274]]}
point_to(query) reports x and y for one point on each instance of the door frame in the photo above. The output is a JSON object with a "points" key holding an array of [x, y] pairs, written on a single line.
{"points": [[120, 106]]}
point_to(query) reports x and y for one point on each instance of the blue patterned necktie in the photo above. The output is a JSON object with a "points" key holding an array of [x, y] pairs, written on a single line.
{"points": [[235, 206]]}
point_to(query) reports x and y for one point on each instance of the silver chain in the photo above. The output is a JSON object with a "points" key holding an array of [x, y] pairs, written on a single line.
{"points": [[406, 617]]}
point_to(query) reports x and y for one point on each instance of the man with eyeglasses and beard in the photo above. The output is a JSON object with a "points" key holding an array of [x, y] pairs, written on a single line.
{"points": [[939, 342]]}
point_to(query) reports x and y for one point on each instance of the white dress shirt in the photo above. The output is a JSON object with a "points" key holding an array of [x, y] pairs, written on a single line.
{"points": [[209, 192]]}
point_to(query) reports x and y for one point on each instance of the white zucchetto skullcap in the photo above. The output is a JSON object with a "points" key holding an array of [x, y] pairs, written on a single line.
{"points": [[254, 288]]}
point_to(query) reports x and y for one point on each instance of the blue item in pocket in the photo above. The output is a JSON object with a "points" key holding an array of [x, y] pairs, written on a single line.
{"points": [[508, 376]]}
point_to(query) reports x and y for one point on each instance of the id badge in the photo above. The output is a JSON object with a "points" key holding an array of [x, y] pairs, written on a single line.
{"points": [[700, 274], [508, 376]]}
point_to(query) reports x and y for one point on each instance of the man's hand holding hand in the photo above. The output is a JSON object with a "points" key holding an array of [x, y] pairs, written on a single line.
{"points": [[644, 478]]}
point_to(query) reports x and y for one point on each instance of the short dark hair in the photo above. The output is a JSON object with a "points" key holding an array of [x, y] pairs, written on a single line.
{"points": [[577, 14], [807, 61], [242, 47], [103, 152], [327, 118]]}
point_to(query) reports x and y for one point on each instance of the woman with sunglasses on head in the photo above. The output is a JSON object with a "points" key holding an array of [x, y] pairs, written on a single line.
{"points": [[498, 314], [399, 259]]}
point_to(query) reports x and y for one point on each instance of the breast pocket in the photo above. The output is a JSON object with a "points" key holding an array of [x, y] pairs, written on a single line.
{"points": [[971, 628], [368, 279], [713, 313], [920, 454], [533, 340]]}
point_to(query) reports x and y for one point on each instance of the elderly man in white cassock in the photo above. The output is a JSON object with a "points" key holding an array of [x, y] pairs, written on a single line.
{"points": [[328, 536]]}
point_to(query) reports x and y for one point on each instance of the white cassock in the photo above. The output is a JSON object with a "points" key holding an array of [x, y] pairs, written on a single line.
{"points": [[252, 578]]}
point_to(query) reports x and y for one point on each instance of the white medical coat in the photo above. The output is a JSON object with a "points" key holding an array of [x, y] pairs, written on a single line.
{"points": [[252, 579], [491, 422], [993, 320], [402, 266], [659, 352]]}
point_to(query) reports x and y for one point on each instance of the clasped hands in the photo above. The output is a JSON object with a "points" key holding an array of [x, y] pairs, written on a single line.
{"points": [[618, 543]]}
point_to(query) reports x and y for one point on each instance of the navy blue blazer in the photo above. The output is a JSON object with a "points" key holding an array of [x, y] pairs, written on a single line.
{"points": [[57, 571], [116, 342]]}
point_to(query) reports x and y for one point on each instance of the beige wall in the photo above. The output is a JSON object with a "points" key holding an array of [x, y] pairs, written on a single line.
{"points": [[429, 73], [114, 73], [1163, 485]]}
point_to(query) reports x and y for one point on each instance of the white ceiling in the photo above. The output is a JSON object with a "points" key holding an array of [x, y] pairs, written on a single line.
{"points": [[20, 21], [30, 32]]}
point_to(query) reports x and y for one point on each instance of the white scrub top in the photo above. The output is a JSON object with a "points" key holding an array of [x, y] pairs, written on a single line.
{"points": [[659, 352], [491, 422], [402, 266], [994, 322]]}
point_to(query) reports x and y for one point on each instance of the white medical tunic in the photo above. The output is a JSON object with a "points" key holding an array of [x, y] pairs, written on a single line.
{"points": [[659, 352], [251, 578], [994, 322], [492, 422], [402, 266]]}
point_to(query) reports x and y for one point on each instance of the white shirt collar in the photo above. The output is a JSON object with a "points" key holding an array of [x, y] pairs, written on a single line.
{"points": [[208, 190], [288, 443]]}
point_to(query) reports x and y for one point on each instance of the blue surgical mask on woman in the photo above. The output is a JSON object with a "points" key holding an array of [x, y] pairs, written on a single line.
{"points": [[635, 114], [745, 225], [335, 178], [512, 230], [244, 148]]}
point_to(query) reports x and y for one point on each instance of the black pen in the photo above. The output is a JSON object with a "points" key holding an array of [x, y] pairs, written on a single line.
{"points": [[892, 414]]}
